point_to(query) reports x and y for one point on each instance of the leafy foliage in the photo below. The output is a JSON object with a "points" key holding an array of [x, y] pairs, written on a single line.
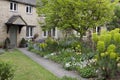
{"points": [[95, 37], [43, 46], [68, 78], [52, 44], [88, 72], [115, 23], [78, 15], [6, 71], [107, 53], [111, 48], [100, 46]]}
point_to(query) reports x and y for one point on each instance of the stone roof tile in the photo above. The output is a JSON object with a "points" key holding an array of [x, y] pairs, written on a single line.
{"points": [[30, 2]]}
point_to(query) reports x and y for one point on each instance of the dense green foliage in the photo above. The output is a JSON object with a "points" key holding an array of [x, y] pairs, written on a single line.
{"points": [[78, 15], [6, 71], [68, 78], [87, 72], [115, 23], [108, 53]]}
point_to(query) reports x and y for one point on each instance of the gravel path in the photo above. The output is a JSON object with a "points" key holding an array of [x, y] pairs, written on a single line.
{"points": [[51, 66]]}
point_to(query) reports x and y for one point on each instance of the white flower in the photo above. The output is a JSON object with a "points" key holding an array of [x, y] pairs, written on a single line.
{"points": [[67, 64], [52, 54]]}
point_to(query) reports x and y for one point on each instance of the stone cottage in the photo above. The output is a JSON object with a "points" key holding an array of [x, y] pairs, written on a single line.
{"points": [[18, 19]]}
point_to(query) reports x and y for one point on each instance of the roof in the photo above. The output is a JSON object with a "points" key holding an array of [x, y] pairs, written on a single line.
{"points": [[16, 20], [30, 2]]}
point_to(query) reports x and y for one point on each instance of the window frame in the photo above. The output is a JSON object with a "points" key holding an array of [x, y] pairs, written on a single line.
{"points": [[52, 32], [29, 32], [13, 6], [29, 9]]}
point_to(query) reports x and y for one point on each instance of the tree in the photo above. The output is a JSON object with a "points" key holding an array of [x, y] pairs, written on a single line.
{"points": [[78, 15], [115, 23]]}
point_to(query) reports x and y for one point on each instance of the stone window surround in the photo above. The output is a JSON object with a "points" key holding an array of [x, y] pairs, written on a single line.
{"points": [[29, 9], [13, 6], [29, 32], [53, 33]]}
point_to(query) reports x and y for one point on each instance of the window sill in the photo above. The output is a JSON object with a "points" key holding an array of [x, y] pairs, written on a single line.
{"points": [[29, 37], [15, 11], [29, 13]]}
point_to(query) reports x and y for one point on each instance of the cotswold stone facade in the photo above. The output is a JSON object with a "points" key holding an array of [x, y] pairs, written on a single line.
{"points": [[26, 17]]}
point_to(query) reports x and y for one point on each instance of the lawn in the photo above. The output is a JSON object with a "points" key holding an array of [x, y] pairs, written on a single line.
{"points": [[25, 68]]}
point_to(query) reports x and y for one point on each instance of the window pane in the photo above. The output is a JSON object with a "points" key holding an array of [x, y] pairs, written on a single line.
{"points": [[27, 9], [31, 31], [11, 6], [15, 6], [53, 31], [49, 33], [44, 32], [27, 32], [30, 9], [98, 30]]}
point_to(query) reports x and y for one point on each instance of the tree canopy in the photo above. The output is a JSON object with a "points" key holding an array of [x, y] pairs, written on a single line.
{"points": [[79, 15], [115, 23]]}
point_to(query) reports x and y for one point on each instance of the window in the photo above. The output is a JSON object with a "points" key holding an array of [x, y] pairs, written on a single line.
{"points": [[50, 33], [29, 32], [29, 9], [13, 6], [54, 31], [98, 29], [44, 33]]}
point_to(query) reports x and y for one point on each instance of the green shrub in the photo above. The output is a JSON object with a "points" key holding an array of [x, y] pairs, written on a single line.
{"points": [[6, 71], [69, 42], [111, 48], [43, 46], [95, 37], [107, 39], [107, 53], [68, 78], [52, 44], [87, 72], [100, 46], [116, 38], [23, 43], [30, 45], [30, 48]]}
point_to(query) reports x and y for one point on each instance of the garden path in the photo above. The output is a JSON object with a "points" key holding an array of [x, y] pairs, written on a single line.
{"points": [[51, 66]]}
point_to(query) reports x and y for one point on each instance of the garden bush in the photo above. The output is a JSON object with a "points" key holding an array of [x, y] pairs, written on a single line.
{"points": [[30, 45], [42, 46], [23, 43], [107, 53], [6, 71], [68, 78], [52, 44], [87, 72]]}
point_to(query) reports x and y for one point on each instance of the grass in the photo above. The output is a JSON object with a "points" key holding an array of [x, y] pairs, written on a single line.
{"points": [[25, 68]]}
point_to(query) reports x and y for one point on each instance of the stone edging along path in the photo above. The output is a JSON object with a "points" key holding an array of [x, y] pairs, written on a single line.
{"points": [[51, 66]]}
